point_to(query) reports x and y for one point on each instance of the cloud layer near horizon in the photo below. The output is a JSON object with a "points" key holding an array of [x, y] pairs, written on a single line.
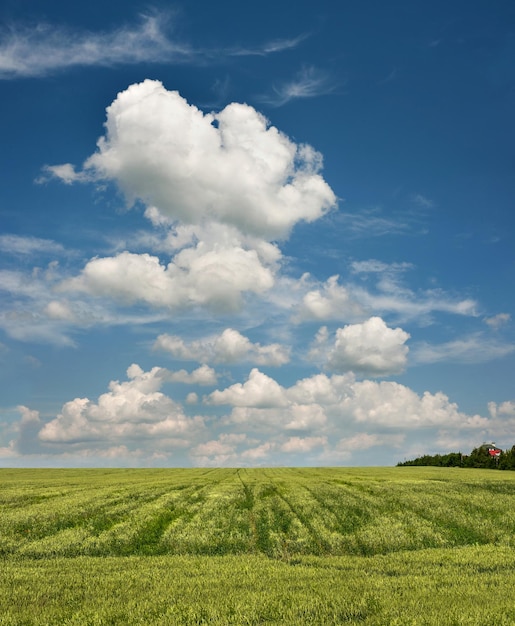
{"points": [[325, 417]]}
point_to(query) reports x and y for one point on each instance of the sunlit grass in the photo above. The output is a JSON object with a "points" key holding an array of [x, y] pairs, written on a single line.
{"points": [[253, 546]]}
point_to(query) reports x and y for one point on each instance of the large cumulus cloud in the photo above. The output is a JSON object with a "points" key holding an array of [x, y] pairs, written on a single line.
{"points": [[230, 167], [323, 404], [130, 411], [226, 185]]}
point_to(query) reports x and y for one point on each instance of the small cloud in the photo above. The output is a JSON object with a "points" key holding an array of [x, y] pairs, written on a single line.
{"points": [[371, 223], [497, 321], [192, 398], [258, 391], [276, 45], [503, 409], [204, 375], [330, 301], [65, 173], [57, 310], [302, 445], [26, 246], [373, 266], [371, 347], [422, 201], [310, 82]]}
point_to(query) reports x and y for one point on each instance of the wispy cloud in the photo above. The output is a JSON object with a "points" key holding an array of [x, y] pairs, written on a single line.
{"points": [[310, 82], [40, 49], [43, 48], [391, 76], [16, 244], [277, 45], [475, 348], [422, 201], [371, 223]]}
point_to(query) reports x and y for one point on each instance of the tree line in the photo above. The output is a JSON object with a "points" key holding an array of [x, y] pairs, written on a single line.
{"points": [[479, 457]]}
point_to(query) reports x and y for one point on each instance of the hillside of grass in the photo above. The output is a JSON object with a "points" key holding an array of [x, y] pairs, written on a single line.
{"points": [[251, 546]]}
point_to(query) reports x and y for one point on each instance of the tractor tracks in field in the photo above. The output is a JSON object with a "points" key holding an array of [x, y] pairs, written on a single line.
{"points": [[320, 546], [179, 512]]}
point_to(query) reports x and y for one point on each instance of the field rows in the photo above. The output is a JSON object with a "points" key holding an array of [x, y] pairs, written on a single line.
{"points": [[281, 513]]}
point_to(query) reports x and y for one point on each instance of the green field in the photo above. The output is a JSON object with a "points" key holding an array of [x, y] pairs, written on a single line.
{"points": [[256, 546]]}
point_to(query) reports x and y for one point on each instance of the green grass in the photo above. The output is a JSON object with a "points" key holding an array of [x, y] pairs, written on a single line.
{"points": [[255, 546]]}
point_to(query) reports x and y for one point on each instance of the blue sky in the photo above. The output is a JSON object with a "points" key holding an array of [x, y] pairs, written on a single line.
{"points": [[256, 234]]}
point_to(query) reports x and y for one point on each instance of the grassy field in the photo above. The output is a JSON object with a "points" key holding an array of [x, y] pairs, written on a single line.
{"points": [[256, 546]]}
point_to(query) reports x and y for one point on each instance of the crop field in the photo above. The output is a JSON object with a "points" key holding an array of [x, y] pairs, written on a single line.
{"points": [[370, 546]]}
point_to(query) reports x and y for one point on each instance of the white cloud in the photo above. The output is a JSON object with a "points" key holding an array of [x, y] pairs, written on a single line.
{"points": [[222, 185], [133, 410], [393, 298], [472, 349], [23, 432], [373, 266], [393, 405], [503, 409], [221, 451], [40, 49], [499, 320], [34, 311], [320, 389], [259, 452], [204, 375], [296, 445], [59, 310], [305, 417], [371, 348], [371, 223], [291, 417], [16, 244], [354, 302], [28, 416], [327, 418], [228, 347], [364, 441], [192, 398], [229, 167], [65, 172], [215, 278], [422, 201], [330, 301], [258, 391], [310, 82], [277, 45], [322, 405]]}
